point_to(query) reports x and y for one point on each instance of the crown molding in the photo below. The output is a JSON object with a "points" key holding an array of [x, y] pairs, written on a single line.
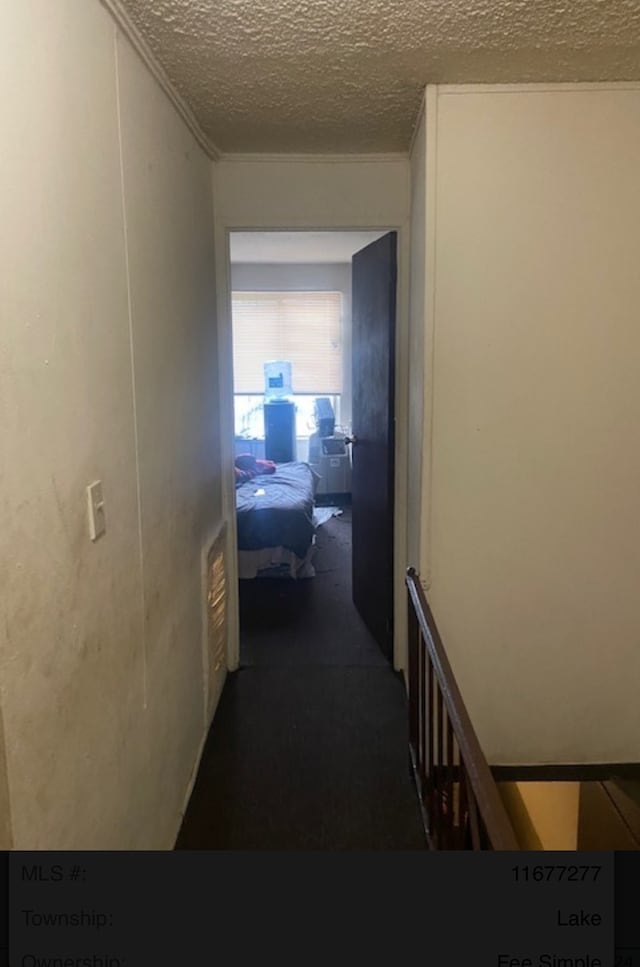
{"points": [[284, 157], [538, 87], [140, 45], [416, 124]]}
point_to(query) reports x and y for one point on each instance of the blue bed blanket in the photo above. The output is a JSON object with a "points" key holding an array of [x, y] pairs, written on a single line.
{"points": [[276, 510]]}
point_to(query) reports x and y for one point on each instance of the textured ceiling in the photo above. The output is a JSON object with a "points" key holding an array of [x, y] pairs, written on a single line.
{"points": [[347, 75]]}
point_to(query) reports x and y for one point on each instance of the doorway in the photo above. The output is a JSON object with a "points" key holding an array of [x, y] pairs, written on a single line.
{"points": [[286, 288]]}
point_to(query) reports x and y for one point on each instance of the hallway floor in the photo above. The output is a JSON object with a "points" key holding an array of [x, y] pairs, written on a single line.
{"points": [[308, 748]]}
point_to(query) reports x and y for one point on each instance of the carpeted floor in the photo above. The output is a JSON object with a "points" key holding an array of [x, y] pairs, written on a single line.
{"points": [[308, 622], [308, 748]]}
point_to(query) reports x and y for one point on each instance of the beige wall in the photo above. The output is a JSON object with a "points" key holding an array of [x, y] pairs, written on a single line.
{"points": [[315, 192], [108, 370], [544, 815], [320, 192], [535, 551], [417, 328]]}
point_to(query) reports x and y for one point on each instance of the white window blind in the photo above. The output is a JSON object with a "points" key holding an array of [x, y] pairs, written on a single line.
{"points": [[301, 327]]}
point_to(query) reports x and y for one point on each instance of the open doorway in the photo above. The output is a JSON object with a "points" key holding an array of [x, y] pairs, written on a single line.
{"points": [[313, 323]]}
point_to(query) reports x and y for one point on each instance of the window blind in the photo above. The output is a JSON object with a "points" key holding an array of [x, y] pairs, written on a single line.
{"points": [[301, 327]]}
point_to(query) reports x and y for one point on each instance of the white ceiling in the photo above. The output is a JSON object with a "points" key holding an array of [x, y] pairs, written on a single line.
{"points": [[298, 247], [347, 75]]}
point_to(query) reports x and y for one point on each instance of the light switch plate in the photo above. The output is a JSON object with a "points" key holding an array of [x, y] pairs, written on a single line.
{"points": [[97, 520]]}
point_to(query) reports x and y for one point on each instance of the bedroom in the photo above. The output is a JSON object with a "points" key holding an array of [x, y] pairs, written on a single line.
{"points": [[294, 355]]}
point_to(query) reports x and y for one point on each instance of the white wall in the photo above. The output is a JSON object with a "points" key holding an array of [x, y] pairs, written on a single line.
{"points": [[535, 551], [342, 192], [327, 277], [108, 370], [417, 328], [273, 192]]}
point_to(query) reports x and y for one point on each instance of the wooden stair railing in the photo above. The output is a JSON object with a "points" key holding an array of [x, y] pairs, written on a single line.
{"points": [[462, 808]]}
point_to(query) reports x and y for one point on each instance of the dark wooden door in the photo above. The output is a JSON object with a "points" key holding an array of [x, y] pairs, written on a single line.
{"points": [[374, 274]]}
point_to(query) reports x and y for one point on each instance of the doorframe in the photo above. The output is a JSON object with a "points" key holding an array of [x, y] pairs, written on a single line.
{"points": [[223, 229]]}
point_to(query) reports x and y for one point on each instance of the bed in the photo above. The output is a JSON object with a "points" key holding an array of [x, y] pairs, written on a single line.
{"points": [[275, 522]]}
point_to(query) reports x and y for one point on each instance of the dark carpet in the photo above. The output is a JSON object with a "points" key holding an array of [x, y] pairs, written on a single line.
{"points": [[308, 622], [308, 748], [306, 759]]}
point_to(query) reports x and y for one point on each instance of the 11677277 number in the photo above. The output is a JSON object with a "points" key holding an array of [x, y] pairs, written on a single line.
{"points": [[555, 873]]}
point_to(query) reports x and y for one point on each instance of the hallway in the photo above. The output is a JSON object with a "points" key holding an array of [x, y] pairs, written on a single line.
{"points": [[308, 748]]}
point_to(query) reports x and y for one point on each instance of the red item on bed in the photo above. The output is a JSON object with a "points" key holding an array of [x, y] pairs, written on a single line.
{"points": [[248, 466]]}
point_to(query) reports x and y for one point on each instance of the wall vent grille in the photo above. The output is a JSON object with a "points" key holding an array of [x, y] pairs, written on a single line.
{"points": [[216, 625]]}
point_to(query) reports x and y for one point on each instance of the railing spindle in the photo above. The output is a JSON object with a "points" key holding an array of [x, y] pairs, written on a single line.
{"points": [[449, 782], [414, 648], [427, 780], [421, 715], [458, 792]]}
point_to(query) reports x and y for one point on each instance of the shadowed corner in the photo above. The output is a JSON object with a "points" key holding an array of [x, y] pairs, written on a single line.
{"points": [[6, 837]]}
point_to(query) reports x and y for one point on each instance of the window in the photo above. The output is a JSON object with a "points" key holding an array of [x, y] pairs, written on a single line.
{"points": [[304, 328], [249, 415]]}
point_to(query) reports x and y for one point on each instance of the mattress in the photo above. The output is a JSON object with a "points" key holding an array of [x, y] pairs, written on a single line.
{"points": [[276, 510], [275, 562]]}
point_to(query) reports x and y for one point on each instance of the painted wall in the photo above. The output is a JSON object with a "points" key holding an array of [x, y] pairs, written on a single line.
{"points": [[544, 815], [108, 371], [417, 328], [535, 539], [269, 192]]}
